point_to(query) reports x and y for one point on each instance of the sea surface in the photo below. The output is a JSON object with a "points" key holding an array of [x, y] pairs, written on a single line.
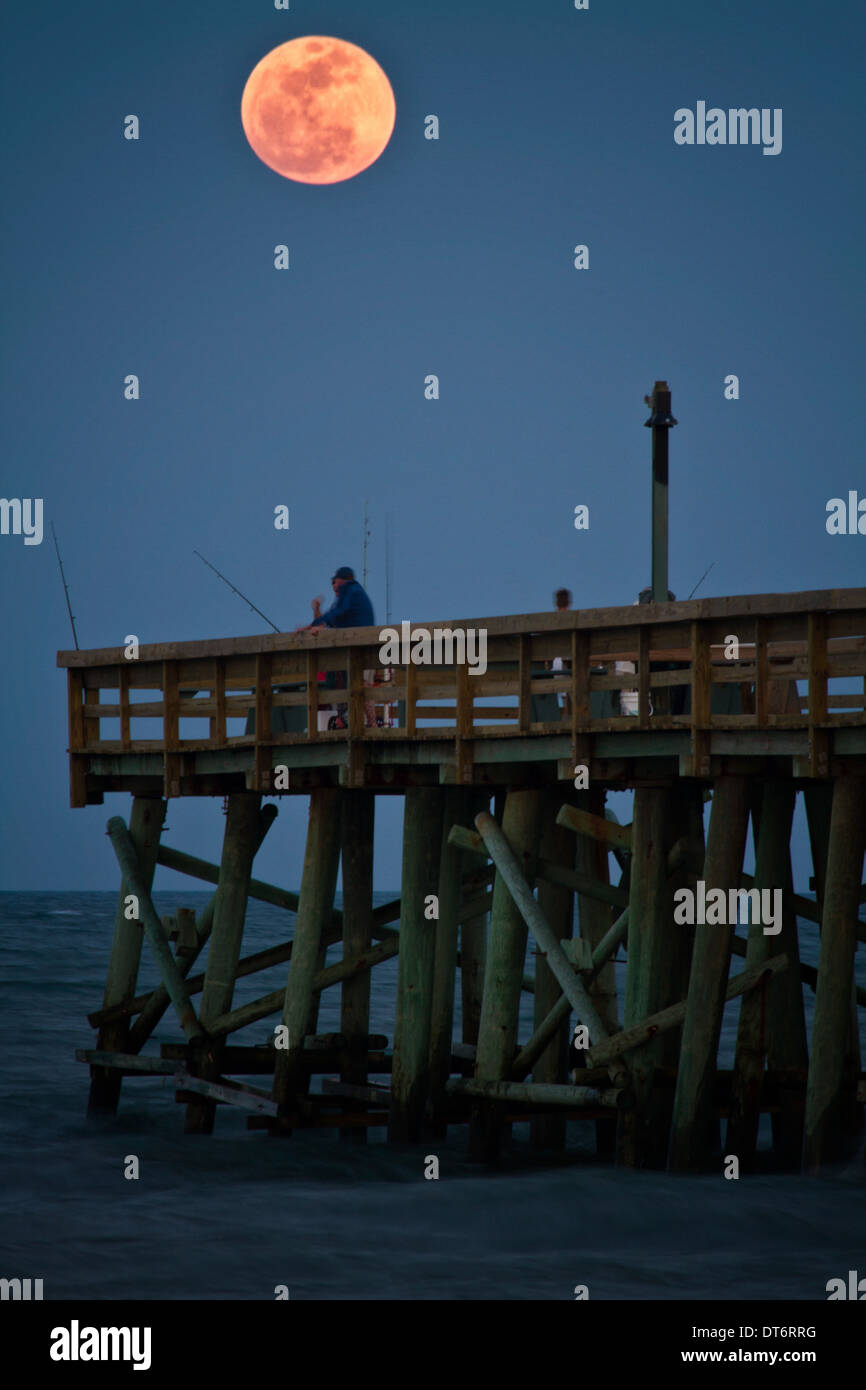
{"points": [[233, 1215]]}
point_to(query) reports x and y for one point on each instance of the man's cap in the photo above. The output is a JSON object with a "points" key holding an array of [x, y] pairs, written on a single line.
{"points": [[344, 572]]}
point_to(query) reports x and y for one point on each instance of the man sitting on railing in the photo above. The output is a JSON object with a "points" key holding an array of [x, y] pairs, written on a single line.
{"points": [[351, 608]]}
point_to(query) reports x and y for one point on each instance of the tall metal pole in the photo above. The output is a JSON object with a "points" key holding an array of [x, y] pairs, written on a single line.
{"points": [[660, 422]]}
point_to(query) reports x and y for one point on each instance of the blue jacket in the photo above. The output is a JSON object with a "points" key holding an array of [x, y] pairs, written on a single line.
{"points": [[351, 608]]}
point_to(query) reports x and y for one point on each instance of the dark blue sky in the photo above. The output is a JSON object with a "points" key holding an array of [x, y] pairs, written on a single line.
{"points": [[306, 387]]}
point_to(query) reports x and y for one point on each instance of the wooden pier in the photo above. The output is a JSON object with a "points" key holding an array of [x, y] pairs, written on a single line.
{"points": [[762, 719]]}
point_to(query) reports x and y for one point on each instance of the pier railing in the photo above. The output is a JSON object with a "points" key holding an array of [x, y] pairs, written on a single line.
{"points": [[739, 664]]}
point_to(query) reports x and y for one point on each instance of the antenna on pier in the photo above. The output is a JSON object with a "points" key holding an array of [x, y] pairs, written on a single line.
{"points": [[387, 569], [65, 589], [364, 547]]}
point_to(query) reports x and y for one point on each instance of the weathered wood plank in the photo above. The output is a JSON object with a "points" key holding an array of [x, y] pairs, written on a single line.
{"points": [[127, 1062], [597, 827], [533, 1093], [229, 1093], [370, 1095], [641, 1034]]}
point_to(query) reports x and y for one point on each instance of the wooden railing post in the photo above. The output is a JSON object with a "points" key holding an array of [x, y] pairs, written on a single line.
{"points": [[312, 694], [123, 704], [465, 718], [410, 673], [762, 673], [77, 758], [697, 763], [170, 730], [819, 753], [262, 773], [643, 677], [524, 682], [580, 706]]}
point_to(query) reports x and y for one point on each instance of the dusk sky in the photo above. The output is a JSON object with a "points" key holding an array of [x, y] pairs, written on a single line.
{"points": [[454, 256]]}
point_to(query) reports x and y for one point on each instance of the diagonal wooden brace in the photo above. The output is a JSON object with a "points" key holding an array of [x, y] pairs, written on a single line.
{"points": [[512, 875], [127, 858]]}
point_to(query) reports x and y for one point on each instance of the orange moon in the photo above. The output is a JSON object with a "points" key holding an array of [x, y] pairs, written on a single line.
{"points": [[318, 110]]}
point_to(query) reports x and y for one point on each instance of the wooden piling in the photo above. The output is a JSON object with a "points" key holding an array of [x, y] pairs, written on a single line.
{"points": [[825, 1136], [787, 1045], [765, 1012], [592, 859], [685, 863], [503, 974], [240, 841], [356, 835], [318, 884], [818, 798], [642, 1138], [145, 828], [473, 954], [557, 905], [422, 837], [693, 1099], [457, 803]]}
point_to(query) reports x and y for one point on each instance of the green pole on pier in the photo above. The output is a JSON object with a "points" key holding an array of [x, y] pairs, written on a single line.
{"points": [[660, 422]]}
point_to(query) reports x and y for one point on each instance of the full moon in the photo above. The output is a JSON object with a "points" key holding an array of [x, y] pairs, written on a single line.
{"points": [[318, 110]]}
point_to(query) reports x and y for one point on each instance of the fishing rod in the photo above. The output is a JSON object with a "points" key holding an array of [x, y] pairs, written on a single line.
{"points": [[236, 591], [701, 580], [65, 589]]}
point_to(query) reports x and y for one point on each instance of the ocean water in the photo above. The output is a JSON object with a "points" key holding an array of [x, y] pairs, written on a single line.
{"points": [[233, 1215]]}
